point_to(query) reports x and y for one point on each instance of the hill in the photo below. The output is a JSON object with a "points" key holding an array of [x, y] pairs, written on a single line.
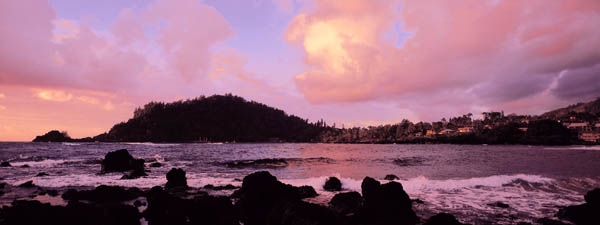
{"points": [[588, 111], [218, 118]]}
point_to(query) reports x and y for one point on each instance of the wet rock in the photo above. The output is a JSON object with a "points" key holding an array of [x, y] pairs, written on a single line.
{"points": [[104, 193], [593, 197], [584, 214], [122, 161], [442, 219], [155, 164], [260, 194], [42, 174], [499, 205], [346, 203], [36, 213], [391, 177], [176, 179], [164, 208], [301, 213], [25, 166], [386, 204], [333, 184], [52, 193], [137, 203], [307, 192], [219, 188], [418, 201], [5, 164], [27, 184]]}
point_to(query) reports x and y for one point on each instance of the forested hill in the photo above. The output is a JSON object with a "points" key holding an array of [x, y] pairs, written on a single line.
{"points": [[218, 118], [588, 111]]}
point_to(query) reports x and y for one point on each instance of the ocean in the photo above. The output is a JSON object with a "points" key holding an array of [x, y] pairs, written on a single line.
{"points": [[464, 180]]}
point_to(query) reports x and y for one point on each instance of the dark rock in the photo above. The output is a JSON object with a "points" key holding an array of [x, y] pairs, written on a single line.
{"points": [[5, 164], [301, 213], [134, 174], [442, 219], [386, 204], [122, 161], [593, 197], [548, 221], [137, 203], [307, 192], [499, 205], [219, 188], [261, 193], [42, 174], [25, 166], [36, 213], [155, 164], [164, 208], [2, 185], [346, 203], [391, 177], [103, 193], [27, 184], [333, 184], [584, 214], [524, 223], [53, 136], [176, 179]]}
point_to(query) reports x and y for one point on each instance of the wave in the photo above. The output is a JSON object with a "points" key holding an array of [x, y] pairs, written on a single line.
{"points": [[578, 147], [151, 144], [274, 163]]}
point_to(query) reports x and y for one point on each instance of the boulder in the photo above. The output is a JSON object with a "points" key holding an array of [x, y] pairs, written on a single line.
{"points": [[442, 219], [155, 164], [122, 161], [260, 194], [27, 184], [219, 188], [176, 179], [42, 174], [5, 164], [391, 177], [333, 184], [499, 205], [386, 204], [103, 193], [25, 166], [346, 203], [301, 213], [307, 192], [584, 214]]}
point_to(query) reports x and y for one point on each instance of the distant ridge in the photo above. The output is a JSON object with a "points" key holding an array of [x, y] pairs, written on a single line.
{"points": [[589, 109]]}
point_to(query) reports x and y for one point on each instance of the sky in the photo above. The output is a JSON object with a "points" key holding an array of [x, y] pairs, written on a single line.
{"points": [[82, 66]]}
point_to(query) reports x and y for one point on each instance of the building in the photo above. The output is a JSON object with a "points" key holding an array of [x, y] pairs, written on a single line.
{"points": [[465, 130], [446, 131], [430, 132], [590, 137], [579, 127]]}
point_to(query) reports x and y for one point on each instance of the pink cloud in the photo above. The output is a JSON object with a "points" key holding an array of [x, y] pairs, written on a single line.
{"points": [[479, 50]]}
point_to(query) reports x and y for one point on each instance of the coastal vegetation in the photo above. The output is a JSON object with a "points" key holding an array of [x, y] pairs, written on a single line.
{"points": [[229, 118]]}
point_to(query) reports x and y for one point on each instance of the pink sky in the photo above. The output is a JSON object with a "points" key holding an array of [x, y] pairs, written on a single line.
{"points": [[82, 66]]}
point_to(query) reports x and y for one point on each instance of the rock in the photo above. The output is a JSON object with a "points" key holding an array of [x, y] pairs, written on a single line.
{"points": [[5, 164], [53, 136], [176, 179], [418, 201], [122, 161], [333, 184], [386, 204], [258, 163], [584, 214], [27, 184], [442, 219], [593, 197], [260, 194], [164, 208], [499, 205], [219, 188], [137, 203], [391, 177], [346, 203], [134, 174], [155, 164], [36, 213], [42, 174], [25, 166], [103, 193], [307, 192], [301, 213]]}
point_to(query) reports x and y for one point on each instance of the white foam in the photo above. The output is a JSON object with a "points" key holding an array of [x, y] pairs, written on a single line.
{"points": [[46, 163], [71, 144], [151, 144], [578, 147]]}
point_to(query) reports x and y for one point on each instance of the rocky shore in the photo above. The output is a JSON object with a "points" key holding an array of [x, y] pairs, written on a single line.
{"points": [[261, 200]]}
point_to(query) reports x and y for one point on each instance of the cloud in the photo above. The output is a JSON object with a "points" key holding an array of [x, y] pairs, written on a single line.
{"points": [[54, 95], [484, 52], [2, 107], [2, 96]]}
